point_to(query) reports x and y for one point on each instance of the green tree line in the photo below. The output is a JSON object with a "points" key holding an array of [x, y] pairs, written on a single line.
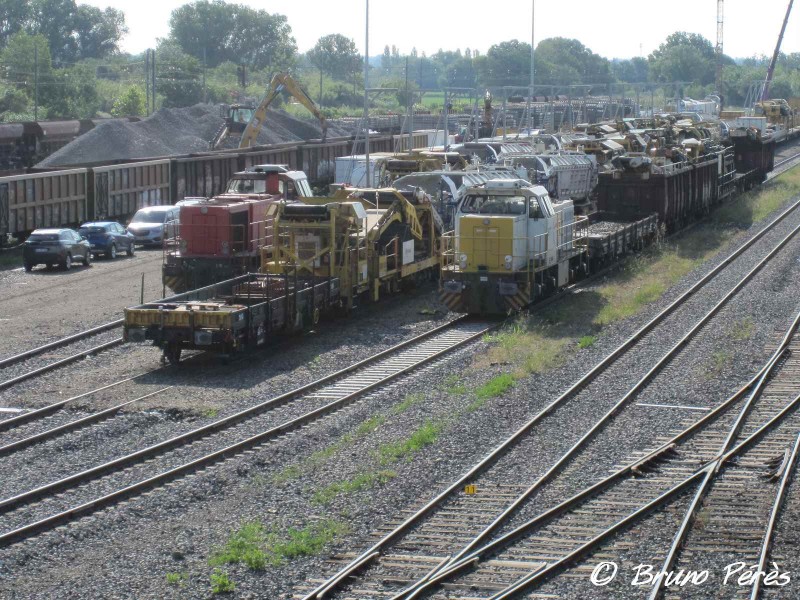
{"points": [[64, 59]]}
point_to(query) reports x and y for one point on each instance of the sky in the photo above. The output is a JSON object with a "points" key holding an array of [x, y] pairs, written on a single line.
{"points": [[609, 28]]}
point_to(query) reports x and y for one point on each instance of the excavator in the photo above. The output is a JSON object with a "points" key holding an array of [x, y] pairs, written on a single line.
{"points": [[238, 115]]}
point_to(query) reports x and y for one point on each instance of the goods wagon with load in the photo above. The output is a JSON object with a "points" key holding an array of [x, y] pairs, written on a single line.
{"points": [[324, 257]]}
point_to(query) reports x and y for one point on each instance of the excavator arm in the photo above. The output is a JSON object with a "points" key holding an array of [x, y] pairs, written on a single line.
{"points": [[280, 82]]}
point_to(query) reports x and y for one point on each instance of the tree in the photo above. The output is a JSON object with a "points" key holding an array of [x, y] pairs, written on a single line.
{"points": [[98, 31], [233, 32], [634, 70], [570, 62], [684, 57], [506, 63], [336, 56], [13, 16], [130, 104], [179, 76], [54, 20], [18, 59], [73, 93]]}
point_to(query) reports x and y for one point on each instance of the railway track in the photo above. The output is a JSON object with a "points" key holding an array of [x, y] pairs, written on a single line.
{"points": [[751, 440], [36, 510], [446, 548]]}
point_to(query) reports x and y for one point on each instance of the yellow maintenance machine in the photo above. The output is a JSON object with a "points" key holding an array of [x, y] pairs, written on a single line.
{"points": [[371, 242], [280, 82], [247, 121]]}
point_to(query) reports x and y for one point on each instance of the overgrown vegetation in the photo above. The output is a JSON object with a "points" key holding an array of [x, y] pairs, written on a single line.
{"points": [[362, 481], [423, 436], [743, 329], [256, 547], [176, 578], [543, 341], [221, 583]]}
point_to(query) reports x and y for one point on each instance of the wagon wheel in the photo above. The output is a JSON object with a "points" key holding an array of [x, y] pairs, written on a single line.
{"points": [[172, 352]]}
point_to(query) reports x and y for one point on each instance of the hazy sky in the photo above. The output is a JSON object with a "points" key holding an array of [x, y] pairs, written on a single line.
{"points": [[611, 28]]}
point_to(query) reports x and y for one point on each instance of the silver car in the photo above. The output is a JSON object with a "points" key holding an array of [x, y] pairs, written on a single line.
{"points": [[151, 225]]}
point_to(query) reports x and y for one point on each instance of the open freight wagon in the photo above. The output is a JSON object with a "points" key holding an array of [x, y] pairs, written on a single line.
{"points": [[234, 315]]}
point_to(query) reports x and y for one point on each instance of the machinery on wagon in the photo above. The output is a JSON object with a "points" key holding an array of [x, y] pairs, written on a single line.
{"points": [[221, 237], [324, 256]]}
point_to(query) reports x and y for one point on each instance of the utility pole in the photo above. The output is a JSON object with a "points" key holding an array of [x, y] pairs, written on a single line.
{"points": [[320, 87], [366, 95], [153, 85], [205, 94], [531, 104], [147, 80], [35, 83], [718, 49], [410, 112]]}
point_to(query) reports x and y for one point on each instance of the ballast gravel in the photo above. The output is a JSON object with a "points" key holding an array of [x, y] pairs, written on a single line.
{"points": [[127, 551]]}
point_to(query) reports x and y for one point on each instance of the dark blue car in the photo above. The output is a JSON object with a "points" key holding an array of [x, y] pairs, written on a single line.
{"points": [[108, 238]]}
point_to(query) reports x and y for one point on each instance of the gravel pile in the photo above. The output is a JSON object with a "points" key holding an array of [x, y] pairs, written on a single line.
{"points": [[172, 131]]}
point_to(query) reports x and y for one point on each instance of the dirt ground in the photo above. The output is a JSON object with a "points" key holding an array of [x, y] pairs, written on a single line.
{"points": [[43, 305]]}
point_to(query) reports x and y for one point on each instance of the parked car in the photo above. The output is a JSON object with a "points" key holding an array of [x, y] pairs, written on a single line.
{"points": [[56, 247], [108, 238], [152, 224]]}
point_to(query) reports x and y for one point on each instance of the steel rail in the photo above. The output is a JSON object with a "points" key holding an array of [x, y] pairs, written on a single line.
{"points": [[42, 412], [587, 378], [620, 404], [77, 337], [5, 362], [683, 530], [54, 432], [773, 519], [51, 521], [707, 471], [205, 430], [632, 469], [59, 363]]}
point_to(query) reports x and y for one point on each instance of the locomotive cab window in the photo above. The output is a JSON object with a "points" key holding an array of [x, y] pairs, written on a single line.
{"points": [[247, 186], [494, 205], [534, 209]]}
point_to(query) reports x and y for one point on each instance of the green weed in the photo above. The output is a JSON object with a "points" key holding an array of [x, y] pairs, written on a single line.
{"points": [[221, 583], [407, 402], [743, 330], [587, 341], [176, 578], [307, 541], [243, 546], [423, 436], [355, 484]]}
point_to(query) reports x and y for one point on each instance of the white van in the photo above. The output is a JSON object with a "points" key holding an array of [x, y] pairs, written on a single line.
{"points": [[151, 225]]}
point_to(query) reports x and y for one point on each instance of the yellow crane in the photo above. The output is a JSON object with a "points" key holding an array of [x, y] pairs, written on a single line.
{"points": [[280, 82]]}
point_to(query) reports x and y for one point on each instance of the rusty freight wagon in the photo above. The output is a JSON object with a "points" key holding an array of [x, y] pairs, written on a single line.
{"points": [[678, 192]]}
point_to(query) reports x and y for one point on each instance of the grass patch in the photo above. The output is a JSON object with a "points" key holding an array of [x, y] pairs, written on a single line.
{"points": [[743, 329], [221, 583], [757, 204], [424, 436], [243, 546], [355, 484], [176, 578], [542, 342], [717, 363], [586, 341], [211, 413], [370, 425], [452, 385], [496, 386], [255, 547], [407, 402], [307, 541]]}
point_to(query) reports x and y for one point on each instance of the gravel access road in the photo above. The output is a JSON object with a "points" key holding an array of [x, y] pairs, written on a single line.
{"points": [[43, 305]]}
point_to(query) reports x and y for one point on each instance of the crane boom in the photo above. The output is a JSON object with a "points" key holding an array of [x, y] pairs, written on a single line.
{"points": [[774, 61], [279, 83]]}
